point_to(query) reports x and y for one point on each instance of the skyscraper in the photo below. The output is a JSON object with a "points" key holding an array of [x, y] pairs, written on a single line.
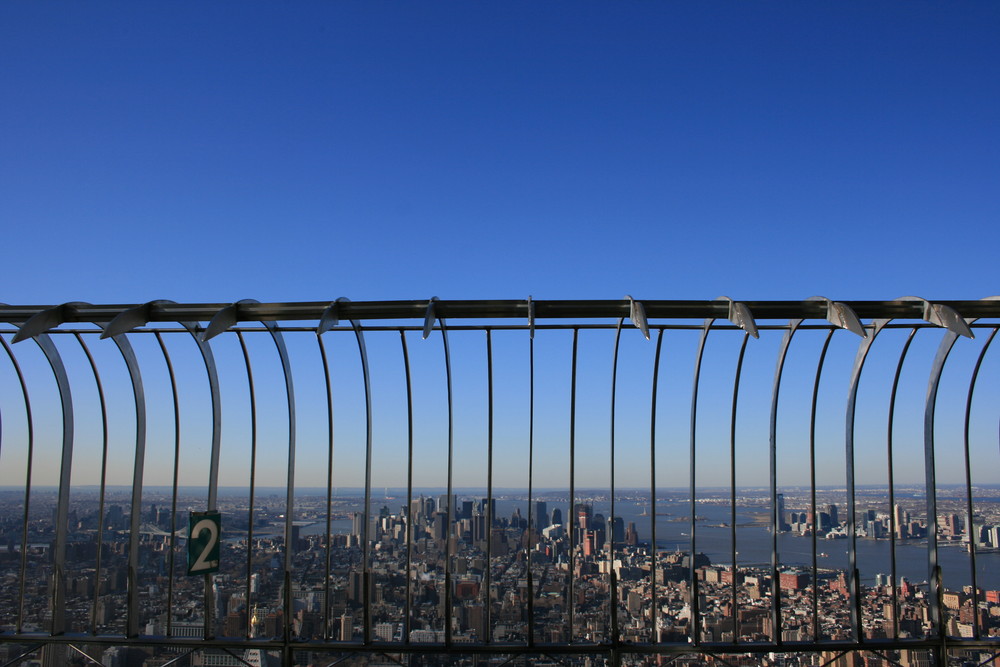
{"points": [[779, 510], [541, 515]]}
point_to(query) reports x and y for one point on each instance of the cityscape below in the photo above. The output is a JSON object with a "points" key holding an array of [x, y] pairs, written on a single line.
{"points": [[496, 570]]}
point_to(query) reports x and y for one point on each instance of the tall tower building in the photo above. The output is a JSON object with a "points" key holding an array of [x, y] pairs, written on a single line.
{"points": [[541, 515]]}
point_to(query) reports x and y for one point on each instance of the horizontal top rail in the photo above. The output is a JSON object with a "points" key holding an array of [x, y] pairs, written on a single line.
{"points": [[165, 311]]}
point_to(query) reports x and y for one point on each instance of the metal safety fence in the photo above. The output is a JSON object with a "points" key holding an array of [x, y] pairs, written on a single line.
{"points": [[632, 482]]}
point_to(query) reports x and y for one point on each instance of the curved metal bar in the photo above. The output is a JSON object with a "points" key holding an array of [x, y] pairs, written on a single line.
{"points": [[777, 517], [893, 527], [451, 509], [30, 423], [409, 490], [970, 526], [531, 476], [138, 467], [489, 478], [103, 485], [213, 468], [173, 502], [286, 367], [58, 589], [138, 316], [732, 487], [221, 322], [572, 483], [213, 384], [654, 609], [329, 487], [812, 481], [692, 574], [252, 392], [363, 353], [34, 328], [612, 578], [51, 318], [852, 399], [933, 569]]}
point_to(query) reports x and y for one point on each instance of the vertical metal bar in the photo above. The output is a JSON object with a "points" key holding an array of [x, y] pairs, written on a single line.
{"points": [[654, 612], [138, 466], [329, 487], [970, 526], [363, 354], [213, 386], [286, 367], [732, 488], [213, 469], [531, 474], [612, 579], [812, 482], [852, 400], [572, 483], [933, 569], [409, 488], [30, 423], [58, 590], [103, 484], [893, 528], [692, 574], [253, 475], [451, 508], [489, 487], [776, 516], [173, 502]]}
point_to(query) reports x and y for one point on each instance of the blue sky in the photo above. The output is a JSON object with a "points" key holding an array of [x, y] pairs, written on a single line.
{"points": [[376, 150], [473, 150]]}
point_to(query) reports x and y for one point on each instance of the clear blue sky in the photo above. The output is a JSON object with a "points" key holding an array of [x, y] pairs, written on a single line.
{"points": [[213, 152], [377, 150]]}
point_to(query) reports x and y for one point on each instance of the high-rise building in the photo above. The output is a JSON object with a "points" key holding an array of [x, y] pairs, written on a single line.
{"points": [[779, 510], [900, 519], [541, 515]]}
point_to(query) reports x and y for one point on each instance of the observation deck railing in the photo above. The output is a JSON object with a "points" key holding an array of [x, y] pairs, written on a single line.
{"points": [[528, 403]]}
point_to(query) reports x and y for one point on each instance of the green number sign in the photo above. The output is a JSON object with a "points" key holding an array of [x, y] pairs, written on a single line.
{"points": [[204, 529]]}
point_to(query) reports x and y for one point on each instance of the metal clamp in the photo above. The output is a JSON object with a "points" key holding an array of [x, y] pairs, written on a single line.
{"points": [[132, 318], [331, 316], [943, 316], [841, 315], [637, 314], [42, 321], [531, 318], [429, 318], [740, 315], [223, 320]]}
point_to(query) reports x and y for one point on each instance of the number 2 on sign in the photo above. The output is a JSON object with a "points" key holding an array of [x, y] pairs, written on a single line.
{"points": [[203, 542], [213, 539]]}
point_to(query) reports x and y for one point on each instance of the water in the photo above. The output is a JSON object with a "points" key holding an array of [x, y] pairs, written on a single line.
{"points": [[753, 541]]}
